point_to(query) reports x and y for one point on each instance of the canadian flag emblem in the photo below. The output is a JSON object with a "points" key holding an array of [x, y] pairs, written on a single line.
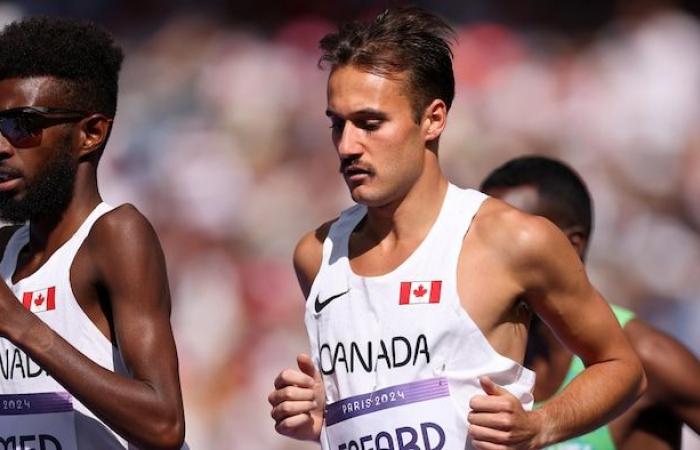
{"points": [[420, 292], [41, 300]]}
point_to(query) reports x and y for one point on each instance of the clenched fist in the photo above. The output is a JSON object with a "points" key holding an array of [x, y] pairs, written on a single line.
{"points": [[298, 401]]}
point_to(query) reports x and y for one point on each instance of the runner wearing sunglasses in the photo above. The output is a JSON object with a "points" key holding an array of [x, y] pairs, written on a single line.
{"points": [[87, 357]]}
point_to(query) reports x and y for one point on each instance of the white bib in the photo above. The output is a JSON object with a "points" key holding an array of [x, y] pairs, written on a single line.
{"points": [[37, 422]]}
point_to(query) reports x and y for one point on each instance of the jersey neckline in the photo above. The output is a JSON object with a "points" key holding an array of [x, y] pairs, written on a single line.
{"points": [[425, 243]]}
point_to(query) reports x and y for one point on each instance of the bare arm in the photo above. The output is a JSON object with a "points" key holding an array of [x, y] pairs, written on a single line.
{"points": [[298, 399], [146, 409], [672, 370], [554, 284], [558, 290], [307, 257]]}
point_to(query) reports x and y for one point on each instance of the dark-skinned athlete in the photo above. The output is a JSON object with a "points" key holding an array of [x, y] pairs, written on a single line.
{"points": [[87, 356], [549, 188]]}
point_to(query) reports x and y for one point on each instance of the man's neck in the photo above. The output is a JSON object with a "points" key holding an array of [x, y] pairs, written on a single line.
{"points": [[48, 232], [411, 216]]}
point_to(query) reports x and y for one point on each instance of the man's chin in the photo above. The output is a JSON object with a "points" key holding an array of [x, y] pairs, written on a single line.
{"points": [[14, 210], [12, 215], [365, 198], [11, 219]]}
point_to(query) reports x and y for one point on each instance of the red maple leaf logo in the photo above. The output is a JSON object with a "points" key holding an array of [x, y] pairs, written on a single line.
{"points": [[39, 300], [420, 291]]}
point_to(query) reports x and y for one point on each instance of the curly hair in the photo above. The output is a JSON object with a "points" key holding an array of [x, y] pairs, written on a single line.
{"points": [[84, 58], [404, 40]]}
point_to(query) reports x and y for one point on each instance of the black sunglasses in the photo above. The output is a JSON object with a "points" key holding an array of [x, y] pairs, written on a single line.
{"points": [[22, 127]]}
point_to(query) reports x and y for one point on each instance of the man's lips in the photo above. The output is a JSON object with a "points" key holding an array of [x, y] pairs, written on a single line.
{"points": [[9, 180], [356, 175], [352, 171]]}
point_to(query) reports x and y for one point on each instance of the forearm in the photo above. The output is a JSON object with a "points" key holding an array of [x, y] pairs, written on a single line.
{"points": [[592, 399], [132, 407]]}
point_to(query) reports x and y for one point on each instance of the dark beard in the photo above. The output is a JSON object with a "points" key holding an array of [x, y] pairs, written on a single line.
{"points": [[48, 195]]}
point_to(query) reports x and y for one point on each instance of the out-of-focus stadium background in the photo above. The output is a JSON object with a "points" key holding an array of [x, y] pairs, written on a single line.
{"points": [[222, 141]]}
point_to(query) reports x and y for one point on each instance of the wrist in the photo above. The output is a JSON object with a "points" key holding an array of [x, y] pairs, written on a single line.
{"points": [[541, 432]]}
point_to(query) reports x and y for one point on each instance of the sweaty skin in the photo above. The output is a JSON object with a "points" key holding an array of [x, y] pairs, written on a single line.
{"points": [[672, 398], [508, 259], [118, 277]]}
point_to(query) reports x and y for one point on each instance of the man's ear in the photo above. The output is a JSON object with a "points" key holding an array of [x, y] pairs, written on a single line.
{"points": [[94, 131], [434, 119], [578, 239]]}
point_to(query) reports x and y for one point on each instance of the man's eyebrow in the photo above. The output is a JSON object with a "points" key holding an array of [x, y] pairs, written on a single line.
{"points": [[360, 113]]}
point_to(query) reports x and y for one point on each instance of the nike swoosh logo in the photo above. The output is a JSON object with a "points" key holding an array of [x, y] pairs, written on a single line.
{"points": [[319, 305]]}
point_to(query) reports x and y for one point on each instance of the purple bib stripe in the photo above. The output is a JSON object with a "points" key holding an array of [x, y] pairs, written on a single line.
{"points": [[49, 402], [391, 397]]}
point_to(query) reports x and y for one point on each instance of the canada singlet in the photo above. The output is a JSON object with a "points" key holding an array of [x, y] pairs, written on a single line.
{"points": [[36, 412], [399, 356]]}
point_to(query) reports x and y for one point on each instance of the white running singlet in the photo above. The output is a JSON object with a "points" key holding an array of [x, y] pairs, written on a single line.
{"points": [[36, 412], [399, 356]]}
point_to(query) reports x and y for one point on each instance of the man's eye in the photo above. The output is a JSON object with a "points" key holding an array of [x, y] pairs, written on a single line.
{"points": [[371, 125]]}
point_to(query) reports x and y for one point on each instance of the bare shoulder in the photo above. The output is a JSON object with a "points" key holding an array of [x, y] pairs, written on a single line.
{"points": [[308, 255], [517, 236], [124, 221], [124, 236], [126, 258]]}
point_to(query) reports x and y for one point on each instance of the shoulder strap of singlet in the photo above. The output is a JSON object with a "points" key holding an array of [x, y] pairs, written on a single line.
{"points": [[336, 244], [335, 247], [70, 248], [14, 245], [464, 204]]}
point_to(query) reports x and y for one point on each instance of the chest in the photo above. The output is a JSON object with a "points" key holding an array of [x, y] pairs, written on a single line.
{"points": [[58, 285]]}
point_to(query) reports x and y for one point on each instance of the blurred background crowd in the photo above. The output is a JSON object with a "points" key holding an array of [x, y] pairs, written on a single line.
{"points": [[221, 140]]}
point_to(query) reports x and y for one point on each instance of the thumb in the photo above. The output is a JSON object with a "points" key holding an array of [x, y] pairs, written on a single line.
{"points": [[490, 387], [306, 365]]}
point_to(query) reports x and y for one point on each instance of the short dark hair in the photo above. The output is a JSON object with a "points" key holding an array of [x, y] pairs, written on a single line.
{"points": [[408, 40], [83, 57], [557, 184]]}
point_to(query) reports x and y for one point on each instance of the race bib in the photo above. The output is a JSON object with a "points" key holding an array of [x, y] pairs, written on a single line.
{"points": [[37, 422], [412, 416]]}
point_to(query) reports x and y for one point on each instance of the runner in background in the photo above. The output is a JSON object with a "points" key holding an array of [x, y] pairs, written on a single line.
{"points": [[549, 188]]}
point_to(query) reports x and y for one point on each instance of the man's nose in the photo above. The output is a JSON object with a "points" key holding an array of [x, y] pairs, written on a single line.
{"points": [[349, 143]]}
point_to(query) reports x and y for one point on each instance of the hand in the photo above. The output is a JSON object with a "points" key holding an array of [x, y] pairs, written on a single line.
{"points": [[298, 401], [498, 420]]}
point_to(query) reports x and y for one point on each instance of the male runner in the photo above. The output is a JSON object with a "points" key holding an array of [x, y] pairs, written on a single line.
{"points": [[87, 357], [549, 188], [419, 296]]}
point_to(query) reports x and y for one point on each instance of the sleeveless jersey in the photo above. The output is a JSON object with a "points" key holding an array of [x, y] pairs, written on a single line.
{"points": [[399, 356], [600, 438], [36, 412]]}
